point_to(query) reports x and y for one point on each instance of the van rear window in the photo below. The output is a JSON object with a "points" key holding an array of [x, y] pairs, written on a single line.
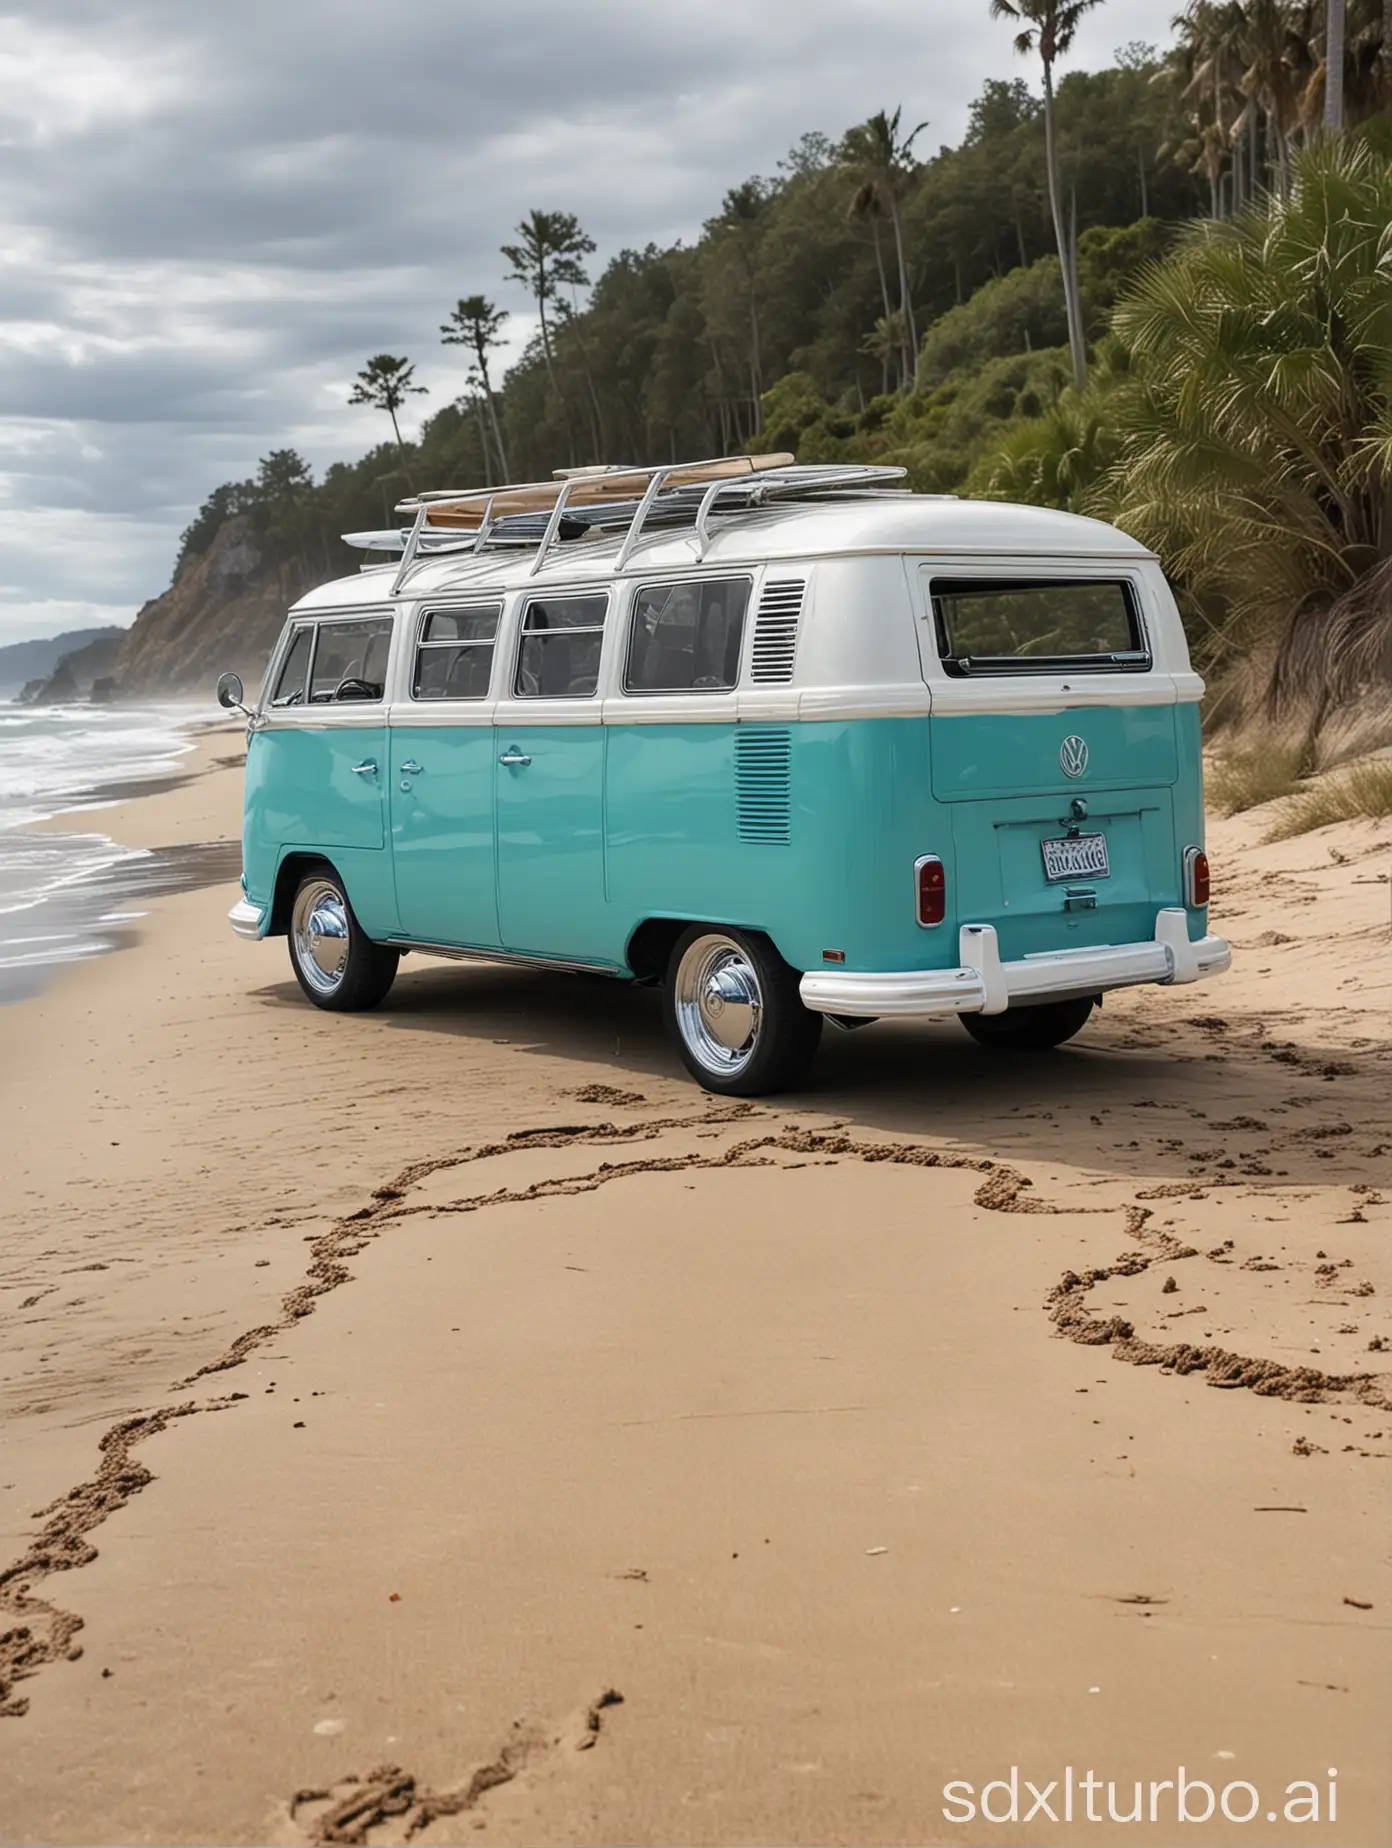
{"points": [[1041, 625]]}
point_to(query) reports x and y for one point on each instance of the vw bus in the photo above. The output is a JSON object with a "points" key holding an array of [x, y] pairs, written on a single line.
{"points": [[790, 742]]}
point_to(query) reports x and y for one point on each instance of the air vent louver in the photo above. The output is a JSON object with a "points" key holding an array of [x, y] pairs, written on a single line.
{"points": [[775, 632], [763, 784]]}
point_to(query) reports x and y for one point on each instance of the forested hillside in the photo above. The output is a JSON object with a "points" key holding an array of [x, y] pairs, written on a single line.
{"points": [[670, 352], [1184, 324]]}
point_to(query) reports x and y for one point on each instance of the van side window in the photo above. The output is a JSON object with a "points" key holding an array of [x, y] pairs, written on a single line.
{"points": [[558, 655], [350, 661], [1040, 625], [455, 657], [685, 638], [290, 688]]}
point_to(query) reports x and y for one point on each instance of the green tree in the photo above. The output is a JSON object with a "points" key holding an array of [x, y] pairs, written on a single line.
{"points": [[734, 279], [1208, 65], [882, 157], [283, 476], [1057, 460], [1257, 432], [199, 534], [1019, 312], [549, 256], [283, 493], [385, 383], [1049, 27], [885, 342], [867, 207], [477, 324]]}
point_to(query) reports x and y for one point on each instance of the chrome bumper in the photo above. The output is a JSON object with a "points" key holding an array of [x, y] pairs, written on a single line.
{"points": [[983, 984], [246, 919]]}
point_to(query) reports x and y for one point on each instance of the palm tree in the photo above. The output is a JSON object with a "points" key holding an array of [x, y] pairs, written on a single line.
{"points": [[1276, 54], [548, 257], [1049, 27], [1190, 67], [1056, 460], [385, 383], [1334, 65], [1215, 40], [883, 158], [886, 344], [477, 324], [1257, 429], [868, 206]]}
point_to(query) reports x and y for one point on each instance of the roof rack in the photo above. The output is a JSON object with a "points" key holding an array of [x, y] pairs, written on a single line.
{"points": [[613, 499]]}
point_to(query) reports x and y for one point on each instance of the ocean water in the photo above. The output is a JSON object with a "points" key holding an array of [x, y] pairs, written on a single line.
{"points": [[68, 895]]}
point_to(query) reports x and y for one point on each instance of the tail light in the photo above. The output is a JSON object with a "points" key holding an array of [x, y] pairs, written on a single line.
{"points": [[1196, 880], [930, 890]]}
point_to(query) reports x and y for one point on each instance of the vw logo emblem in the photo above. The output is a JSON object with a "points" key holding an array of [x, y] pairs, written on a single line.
{"points": [[1073, 756]]}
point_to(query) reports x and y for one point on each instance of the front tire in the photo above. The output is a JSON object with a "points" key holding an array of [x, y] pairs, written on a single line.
{"points": [[733, 1008], [1036, 1028], [336, 965]]}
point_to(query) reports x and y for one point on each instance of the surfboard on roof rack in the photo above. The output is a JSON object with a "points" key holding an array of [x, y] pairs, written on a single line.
{"points": [[613, 500]]}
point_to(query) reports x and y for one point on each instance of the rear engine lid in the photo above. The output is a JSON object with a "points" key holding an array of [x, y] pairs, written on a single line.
{"points": [[1050, 872], [979, 756]]}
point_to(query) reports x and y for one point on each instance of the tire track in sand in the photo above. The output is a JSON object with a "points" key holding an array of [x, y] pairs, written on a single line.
{"points": [[42, 1632], [349, 1809]]}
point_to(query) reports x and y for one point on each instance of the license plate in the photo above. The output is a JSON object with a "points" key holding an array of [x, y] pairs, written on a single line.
{"points": [[1077, 856]]}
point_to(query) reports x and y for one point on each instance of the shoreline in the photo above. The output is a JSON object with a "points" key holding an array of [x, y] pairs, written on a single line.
{"points": [[92, 910], [479, 1365]]}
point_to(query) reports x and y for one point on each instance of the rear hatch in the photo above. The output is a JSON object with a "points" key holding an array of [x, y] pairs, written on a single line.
{"points": [[1062, 823], [1062, 809]]}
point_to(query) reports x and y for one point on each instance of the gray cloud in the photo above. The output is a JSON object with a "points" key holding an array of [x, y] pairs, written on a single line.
{"points": [[210, 214]]}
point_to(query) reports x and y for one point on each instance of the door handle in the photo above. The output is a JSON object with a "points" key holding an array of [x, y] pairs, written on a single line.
{"points": [[366, 769], [411, 767], [514, 759]]}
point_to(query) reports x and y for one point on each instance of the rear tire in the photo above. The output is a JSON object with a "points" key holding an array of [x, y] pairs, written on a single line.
{"points": [[732, 1006], [1036, 1028], [337, 966]]}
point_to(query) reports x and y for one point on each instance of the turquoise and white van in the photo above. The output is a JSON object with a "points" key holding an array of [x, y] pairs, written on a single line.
{"points": [[788, 741]]}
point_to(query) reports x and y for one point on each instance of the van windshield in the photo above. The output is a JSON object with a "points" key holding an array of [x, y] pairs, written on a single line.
{"points": [[1042, 625]]}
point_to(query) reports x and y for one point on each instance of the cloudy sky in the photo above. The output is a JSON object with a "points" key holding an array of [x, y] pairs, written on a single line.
{"points": [[210, 213]]}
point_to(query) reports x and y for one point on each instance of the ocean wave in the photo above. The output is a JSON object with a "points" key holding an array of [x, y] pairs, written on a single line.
{"points": [[58, 755], [56, 889]]}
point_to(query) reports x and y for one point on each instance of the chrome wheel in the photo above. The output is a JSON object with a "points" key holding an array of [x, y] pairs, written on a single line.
{"points": [[719, 1005], [319, 931]]}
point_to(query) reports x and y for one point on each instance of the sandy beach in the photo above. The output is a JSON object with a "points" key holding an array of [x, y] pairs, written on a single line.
{"points": [[448, 1421]]}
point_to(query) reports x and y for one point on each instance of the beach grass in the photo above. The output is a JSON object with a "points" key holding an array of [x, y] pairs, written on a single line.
{"points": [[1245, 779], [1363, 792]]}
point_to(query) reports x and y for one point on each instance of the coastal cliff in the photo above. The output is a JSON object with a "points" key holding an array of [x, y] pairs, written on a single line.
{"points": [[31, 665], [86, 673], [224, 610]]}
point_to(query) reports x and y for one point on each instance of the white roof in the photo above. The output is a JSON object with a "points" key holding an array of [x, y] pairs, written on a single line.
{"points": [[910, 523]]}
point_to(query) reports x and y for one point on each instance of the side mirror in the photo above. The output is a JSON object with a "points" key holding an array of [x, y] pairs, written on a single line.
{"points": [[230, 692]]}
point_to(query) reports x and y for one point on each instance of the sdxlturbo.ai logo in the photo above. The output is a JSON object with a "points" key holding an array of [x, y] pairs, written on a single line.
{"points": [[1079, 1799]]}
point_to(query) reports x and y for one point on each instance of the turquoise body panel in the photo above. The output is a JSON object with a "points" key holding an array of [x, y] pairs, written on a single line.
{"points": [[808, 831], [551, 889], [982, 754], [305, 795], [442, 832]]}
